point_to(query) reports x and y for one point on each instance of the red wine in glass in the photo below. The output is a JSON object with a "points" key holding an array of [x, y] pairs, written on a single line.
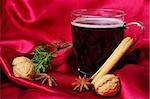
{"points": [[94, 39]]}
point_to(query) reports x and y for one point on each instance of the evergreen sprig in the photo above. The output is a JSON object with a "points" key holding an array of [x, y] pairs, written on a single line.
{"points": [[42, 55]]}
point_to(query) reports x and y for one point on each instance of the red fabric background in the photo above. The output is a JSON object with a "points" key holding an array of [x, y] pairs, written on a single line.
{"points": [[25, 23]]}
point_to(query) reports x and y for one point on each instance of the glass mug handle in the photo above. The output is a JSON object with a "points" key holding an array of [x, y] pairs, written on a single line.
{"points": [[138, 38]]}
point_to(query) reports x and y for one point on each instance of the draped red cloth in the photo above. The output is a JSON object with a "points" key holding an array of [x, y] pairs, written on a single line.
{"points": [[25, 23]]}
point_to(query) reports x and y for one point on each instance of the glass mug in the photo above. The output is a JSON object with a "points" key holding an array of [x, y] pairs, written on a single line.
{"points": [[96, 34]]}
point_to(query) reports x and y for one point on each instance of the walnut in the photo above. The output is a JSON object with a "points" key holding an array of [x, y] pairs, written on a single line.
{"points": [[23, 67], [107, 85]]}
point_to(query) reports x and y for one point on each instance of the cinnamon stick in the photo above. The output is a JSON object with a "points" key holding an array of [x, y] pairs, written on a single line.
{"points": [[113, 59]]}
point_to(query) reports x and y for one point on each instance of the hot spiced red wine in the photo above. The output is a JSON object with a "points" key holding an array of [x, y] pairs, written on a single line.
{"points": [[94, 39]]}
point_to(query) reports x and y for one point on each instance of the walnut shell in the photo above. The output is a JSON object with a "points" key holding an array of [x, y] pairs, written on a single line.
{"points": [[107, 85], [23, 67]]}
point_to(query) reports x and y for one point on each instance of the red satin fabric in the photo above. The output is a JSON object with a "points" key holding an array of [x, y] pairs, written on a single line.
{"points": [[25, 23]]}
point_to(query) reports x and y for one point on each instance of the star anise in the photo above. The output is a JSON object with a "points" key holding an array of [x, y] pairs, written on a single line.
{"points": [[45, 79], [82, 84]]}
